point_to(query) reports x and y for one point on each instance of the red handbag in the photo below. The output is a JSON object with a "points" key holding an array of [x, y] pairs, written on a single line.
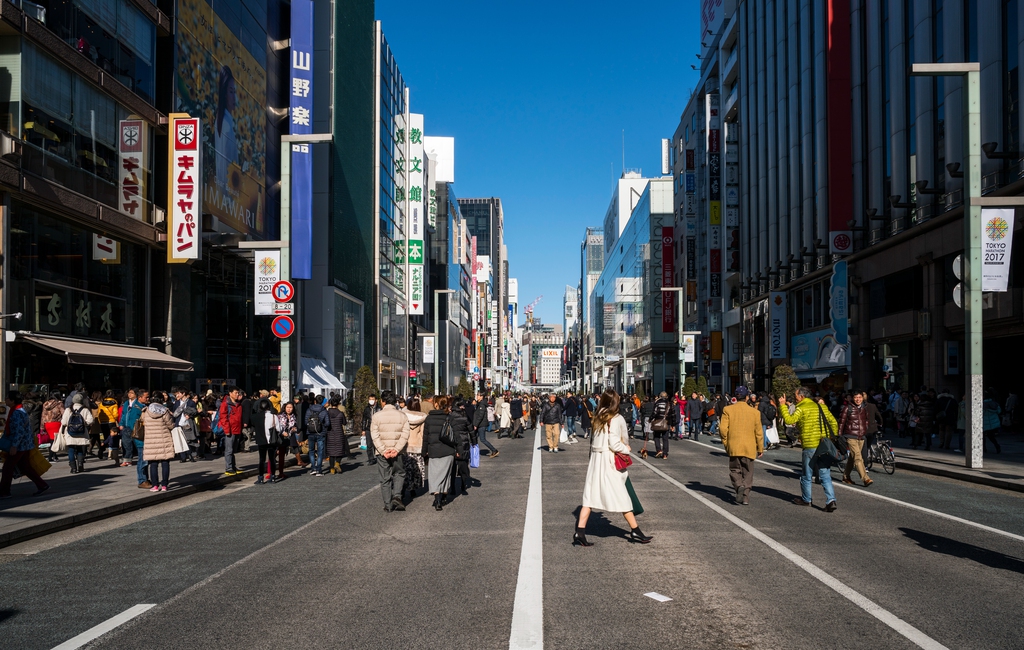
{"points": [[622, 461]]}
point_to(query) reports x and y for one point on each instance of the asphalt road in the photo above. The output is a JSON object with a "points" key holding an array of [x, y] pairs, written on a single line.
{"points": [[316, 562]]}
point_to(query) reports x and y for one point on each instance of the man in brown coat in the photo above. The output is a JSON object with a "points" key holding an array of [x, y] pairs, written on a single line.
{"points": [[743, 439]]}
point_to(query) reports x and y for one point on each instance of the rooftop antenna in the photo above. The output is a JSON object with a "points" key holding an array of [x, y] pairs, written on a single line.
{"points": [[623, 151]]}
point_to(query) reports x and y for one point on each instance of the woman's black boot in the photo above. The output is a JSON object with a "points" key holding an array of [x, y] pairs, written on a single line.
{"points": [[580, 537], [437, 502], [637, 535]]}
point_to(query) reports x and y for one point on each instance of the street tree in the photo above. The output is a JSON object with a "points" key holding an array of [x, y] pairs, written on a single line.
{"points": [[365, 387], [785, 382]]}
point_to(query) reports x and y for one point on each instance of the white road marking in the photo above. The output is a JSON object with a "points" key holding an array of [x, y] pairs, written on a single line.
{"points": [[528, 610], [658, 597], [104, 627], [280, 540], [913, 634], [874, 495]]}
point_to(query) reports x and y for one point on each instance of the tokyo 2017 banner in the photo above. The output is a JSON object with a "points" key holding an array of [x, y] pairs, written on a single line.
{"points": [[219, 81]]}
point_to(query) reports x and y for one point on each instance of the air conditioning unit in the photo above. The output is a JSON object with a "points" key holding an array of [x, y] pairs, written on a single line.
{"points": [[10, 148]]}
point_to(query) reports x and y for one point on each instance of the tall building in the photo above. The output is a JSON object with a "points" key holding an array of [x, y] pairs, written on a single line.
{"points": [[637, 328], [485, 220], [84, 176], [849, 187], [591, 266]]}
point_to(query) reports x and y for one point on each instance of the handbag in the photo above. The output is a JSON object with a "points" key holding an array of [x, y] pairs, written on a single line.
{"points": [[447, 435], [6, 443], [38, 463], [139, 430], [474, 456], [622, 461]]}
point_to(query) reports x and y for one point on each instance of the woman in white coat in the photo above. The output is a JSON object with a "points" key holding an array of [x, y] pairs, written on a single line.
{"points": [[605, 488], [505, 423]]}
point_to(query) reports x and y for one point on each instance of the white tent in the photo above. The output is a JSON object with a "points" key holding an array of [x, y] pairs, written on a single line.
{"points": [[317, 376]]}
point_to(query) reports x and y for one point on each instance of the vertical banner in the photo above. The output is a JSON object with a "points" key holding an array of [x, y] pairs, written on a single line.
{"points": [[714, 153], [996, 246], [668, 274], [184, 240], [268, 273], [839, 104], [839, 309], [417, 209], [105, 249], [301, 112], [132, 174], [778, 325], [428, 349]]}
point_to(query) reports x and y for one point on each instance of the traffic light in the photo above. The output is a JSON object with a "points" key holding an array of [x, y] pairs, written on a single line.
{"points": [[412, 384]]}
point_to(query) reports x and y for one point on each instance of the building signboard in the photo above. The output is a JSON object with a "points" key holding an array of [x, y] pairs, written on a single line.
{"points": [[839, 314], [301, 113], [777, 325], [268, 274], [184, 236], [132, 175], [668, 273]]}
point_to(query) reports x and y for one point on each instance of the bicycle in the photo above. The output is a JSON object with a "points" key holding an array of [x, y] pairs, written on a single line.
{"points": [[881, 452]]}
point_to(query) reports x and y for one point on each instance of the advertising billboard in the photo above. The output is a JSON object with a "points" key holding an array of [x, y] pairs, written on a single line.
{"points": [[219, 82]]}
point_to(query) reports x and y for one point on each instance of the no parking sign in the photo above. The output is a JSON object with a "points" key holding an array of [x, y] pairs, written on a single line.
{"points": [[283, 327]]}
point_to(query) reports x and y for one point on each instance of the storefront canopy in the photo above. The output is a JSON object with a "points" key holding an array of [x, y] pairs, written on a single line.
{"points": [[98, 353], [316, 376]]}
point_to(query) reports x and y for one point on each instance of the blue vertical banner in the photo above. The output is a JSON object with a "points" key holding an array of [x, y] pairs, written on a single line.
{"points": [[302, 123], [839, 312]]}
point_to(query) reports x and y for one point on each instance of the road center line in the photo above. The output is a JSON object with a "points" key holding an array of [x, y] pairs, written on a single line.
{"points": [[913, 634], [528, 611], [104, 627], [873, 495]]}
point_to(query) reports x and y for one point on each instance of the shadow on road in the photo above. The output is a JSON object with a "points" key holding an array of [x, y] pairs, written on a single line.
{"points": [[775, 494], [723, 494], [7, 613], [952, 547], [598, 525]]}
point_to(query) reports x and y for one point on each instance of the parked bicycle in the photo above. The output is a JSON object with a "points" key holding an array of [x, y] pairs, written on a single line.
{"points": [[881, 452]]}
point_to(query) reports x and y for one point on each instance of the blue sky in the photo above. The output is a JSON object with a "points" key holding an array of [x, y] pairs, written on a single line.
{"points": [[537, 95]]}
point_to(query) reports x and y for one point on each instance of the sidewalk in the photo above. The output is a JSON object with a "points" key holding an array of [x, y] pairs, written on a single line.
{"points": [[102, 491], [1004, 470]]}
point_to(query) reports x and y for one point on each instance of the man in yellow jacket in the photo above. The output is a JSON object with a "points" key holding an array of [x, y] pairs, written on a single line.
{"points": [[743, 439], [814, 422]]}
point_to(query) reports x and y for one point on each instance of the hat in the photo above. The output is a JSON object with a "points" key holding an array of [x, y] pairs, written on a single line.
{"points": [[741, 392], [76, 398]]}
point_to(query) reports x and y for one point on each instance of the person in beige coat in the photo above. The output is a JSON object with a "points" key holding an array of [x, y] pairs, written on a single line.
{"points": [[389, 429], [158, 446], [415, 466], [743, 439], [605, 488]]}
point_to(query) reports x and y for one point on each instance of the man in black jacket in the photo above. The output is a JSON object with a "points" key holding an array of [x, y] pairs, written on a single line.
{"points": [[551, 418], [663, 422], [372, 407], [479, 423], [516, 413]]}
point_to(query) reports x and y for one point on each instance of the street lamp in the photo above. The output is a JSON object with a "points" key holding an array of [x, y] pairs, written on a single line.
{"points": [[437, 340], [971, 108]]}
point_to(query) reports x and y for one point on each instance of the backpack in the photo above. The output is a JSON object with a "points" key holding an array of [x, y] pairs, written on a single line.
{"points": [[313, 423], [76, 423]]}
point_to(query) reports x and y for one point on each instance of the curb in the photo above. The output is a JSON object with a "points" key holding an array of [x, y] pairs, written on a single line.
{"points": [[960, 475], [129, 505]]}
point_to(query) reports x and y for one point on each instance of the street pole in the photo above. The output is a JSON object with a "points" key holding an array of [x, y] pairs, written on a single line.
{"points": [[437, 341], [973, 321]]}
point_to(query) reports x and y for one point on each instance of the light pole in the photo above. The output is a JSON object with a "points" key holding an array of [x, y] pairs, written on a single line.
{"points": [[437, 340], [971, 108]]}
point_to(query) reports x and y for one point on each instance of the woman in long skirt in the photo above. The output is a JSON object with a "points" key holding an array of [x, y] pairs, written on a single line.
{"points": [[440, 455], [415, 467], [606, 487]]}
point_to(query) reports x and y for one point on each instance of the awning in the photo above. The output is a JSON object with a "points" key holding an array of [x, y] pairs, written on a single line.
{"points": [[100, 353], [317, 376]]}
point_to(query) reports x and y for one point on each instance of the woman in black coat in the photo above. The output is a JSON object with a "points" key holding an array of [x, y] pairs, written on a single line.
{"points": [[336, 447], [440, 456], [465, 437]]}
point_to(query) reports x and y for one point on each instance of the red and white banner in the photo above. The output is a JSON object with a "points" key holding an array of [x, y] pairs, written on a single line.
{"points": [[668, 273], [105, 249], [184, 239], [131, 175]]}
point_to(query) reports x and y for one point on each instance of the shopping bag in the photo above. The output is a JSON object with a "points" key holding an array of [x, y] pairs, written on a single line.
{"points": [[771, 435], [38, 463], [59, 444], [362, 442], [474, 455], [563, 436], [178, 438]]}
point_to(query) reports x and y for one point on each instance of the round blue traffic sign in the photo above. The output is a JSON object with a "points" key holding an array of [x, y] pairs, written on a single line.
{"points": [[283, 291], [283, 327]]}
